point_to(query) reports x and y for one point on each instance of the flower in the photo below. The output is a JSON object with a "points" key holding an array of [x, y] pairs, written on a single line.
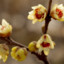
{"points": [[45, 44], [5, 29], [57, 12], [4, 52], [18, 53], [32, 46], [37, 14]]}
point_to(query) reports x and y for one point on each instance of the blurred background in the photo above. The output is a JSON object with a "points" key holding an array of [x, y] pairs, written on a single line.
{"points": [[15, 12]]}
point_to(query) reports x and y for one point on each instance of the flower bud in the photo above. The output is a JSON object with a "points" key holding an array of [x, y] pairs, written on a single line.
{"points": [[4, 52], [32, 46], [18, 53], [37, 14], [5, 29]]}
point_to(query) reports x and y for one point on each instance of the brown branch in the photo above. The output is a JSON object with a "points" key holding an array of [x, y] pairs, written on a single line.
{"points": [[48, 18], [41, 57], [10, 42]]}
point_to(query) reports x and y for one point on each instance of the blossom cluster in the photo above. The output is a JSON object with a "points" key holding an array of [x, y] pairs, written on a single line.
{"points": [[44, 44], [39, 13], [17, 53]]}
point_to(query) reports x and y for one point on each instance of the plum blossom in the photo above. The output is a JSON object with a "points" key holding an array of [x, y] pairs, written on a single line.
{"points": [[57, 12], [37, 14], [44, 44], [5, 29]]}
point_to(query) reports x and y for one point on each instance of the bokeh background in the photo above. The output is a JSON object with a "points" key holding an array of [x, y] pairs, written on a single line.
{"points": [[15, 12]]}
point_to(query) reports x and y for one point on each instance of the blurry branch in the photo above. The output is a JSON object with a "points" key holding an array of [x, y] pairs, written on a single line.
{"points": [[47, 19], [11, 42], [42, 57]]}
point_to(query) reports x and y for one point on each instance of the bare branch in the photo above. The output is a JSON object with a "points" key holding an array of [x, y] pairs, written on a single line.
{"points": [[48, 18]]}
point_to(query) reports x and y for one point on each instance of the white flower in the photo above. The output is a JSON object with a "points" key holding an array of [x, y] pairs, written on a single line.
{"points": [[5, 29], [37, 14], [45, 44], [4, 52], [57, 12]]}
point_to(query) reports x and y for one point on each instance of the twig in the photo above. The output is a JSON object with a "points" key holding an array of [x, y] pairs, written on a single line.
{"points": [[48, 18], [12, 42]]}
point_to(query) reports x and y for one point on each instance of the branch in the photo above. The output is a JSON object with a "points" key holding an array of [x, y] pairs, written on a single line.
{"points": [[48, 18], [10, 42]]}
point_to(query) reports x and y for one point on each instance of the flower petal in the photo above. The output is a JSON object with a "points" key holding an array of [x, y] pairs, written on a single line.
{"points": [[4, 52], [4, 22], [46, 51]]}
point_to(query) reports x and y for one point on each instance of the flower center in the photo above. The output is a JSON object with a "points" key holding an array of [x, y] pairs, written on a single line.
{"points": [[44, 36], [2, 27], [59, 13], [39, 14], [45, 44]]}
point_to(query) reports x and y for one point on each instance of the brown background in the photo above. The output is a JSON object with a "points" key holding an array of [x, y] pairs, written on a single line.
{"points": [[15, 12]]}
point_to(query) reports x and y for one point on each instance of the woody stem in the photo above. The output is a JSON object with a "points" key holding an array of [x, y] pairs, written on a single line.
{"points": [[48, 18]]}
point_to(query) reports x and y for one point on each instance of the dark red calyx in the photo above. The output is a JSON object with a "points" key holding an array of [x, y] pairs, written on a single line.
{"points": [[59, 12], [45, 44], [44, 36], [39, 15]]}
